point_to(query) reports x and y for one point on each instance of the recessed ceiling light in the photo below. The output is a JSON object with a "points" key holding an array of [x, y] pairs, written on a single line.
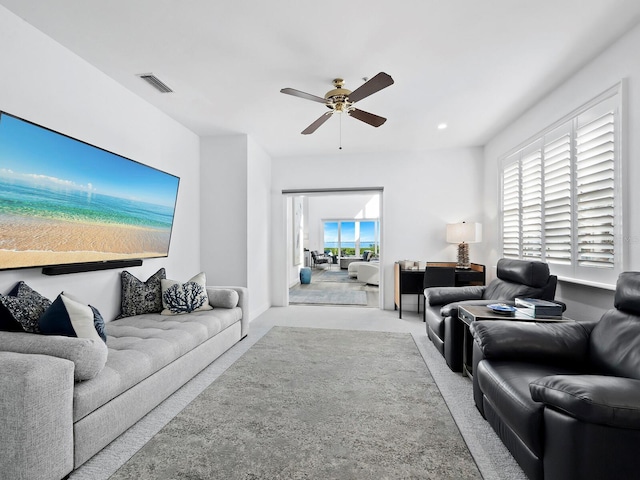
{"points": [[442, 126]]}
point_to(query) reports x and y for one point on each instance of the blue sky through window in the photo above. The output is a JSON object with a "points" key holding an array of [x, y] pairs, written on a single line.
{"points": [[348, 234]]}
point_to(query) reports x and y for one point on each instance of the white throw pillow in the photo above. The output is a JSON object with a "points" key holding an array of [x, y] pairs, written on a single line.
{"points": [[179, 298]]}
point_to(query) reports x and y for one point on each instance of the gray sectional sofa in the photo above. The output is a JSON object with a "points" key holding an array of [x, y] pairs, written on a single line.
{"points": [[63, 399]]}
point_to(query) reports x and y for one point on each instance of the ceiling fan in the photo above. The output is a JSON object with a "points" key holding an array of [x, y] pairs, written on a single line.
{"points": [[341, 100]]}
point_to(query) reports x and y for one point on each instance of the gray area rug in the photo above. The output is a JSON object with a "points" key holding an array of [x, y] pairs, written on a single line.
{"points": [[333, 277], [313, 404], [330, 297]]}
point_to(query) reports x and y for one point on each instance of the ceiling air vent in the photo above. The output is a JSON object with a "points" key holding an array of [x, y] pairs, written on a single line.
{"points": [[155, 82]]}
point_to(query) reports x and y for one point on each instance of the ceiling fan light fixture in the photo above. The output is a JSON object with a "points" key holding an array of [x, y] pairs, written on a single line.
{"points": [[442, 126], [341, 100]]}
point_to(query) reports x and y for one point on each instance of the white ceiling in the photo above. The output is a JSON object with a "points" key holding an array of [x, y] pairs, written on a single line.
{"points": [[474, 64]]}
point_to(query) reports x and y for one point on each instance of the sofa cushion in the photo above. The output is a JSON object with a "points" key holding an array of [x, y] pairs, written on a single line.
{"points": [[180, 298], [88, 355], [140, 297], [25, 306], [141, 345], [70, 318], [223, 298]]}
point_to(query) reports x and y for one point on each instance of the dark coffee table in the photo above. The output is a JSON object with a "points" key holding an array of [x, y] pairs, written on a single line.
{"points": [[473, 313]]}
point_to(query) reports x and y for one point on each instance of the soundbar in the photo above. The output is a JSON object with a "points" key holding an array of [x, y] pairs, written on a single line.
{"points": [[90, 266]]}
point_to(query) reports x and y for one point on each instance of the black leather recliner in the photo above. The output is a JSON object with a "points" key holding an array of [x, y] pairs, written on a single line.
{"points": [[516, 278], [565, 397]]}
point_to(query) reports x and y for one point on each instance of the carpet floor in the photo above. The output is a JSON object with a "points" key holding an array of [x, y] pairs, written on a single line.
{"points": [[306, 403], [307, 295]]}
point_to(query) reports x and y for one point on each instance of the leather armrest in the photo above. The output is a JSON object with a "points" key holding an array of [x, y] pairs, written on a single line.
{"points": [[446, 295], [605, 400], [545, 342]]}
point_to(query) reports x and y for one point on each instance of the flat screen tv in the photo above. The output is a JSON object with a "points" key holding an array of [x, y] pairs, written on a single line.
{"points": [[63, 201]]}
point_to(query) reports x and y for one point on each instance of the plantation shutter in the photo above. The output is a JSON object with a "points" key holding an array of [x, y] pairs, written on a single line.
{"points": [[557, 196], [532, 205], [561, 195], [511, 210], [595, 153]]}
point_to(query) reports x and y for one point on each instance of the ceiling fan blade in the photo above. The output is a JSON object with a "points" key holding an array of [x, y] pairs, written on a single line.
{"points": [[298, 93], [373, 85], [366, 117], [314, 126]]}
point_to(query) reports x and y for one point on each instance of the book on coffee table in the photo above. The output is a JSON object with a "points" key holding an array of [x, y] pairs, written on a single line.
{"points": [[536, 308]]}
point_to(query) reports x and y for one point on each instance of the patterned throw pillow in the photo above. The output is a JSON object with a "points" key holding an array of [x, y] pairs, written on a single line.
{"points": [[191, 296], [140, 297], [98, 323], [25, 306]]}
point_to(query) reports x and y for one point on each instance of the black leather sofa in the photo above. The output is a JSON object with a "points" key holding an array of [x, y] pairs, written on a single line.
{"points": [[565, 397], [516, 278]]}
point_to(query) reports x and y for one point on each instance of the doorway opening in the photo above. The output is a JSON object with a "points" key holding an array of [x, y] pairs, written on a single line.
{"points": [[336, 247]]}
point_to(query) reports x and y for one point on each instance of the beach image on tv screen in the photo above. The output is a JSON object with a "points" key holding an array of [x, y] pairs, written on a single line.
{"points": [[64, 201]]}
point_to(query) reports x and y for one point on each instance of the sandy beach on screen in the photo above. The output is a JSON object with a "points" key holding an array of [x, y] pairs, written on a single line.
{"points": [[35, 241]]}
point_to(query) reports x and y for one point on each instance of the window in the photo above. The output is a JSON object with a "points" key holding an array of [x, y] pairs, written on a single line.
{"points": [[352, 237], [561, 197]]}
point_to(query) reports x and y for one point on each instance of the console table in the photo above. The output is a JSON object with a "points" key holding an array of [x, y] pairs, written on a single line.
{"points": [[411, 282]]}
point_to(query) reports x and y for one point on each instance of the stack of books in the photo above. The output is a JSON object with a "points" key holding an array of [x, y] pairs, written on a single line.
{"points": [[536, 308]]}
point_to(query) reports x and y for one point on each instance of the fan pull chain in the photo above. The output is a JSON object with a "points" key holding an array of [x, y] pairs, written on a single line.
{"points": [[340, 147]]}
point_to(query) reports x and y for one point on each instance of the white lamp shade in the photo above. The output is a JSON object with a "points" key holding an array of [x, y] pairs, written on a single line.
{"points": [[464, 232]]}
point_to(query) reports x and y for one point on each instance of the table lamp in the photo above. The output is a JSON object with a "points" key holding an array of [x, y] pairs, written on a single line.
{"points": [[463, 234]]}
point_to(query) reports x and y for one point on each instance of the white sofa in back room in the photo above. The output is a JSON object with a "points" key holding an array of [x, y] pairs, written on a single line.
{"points": [[367, 272]]}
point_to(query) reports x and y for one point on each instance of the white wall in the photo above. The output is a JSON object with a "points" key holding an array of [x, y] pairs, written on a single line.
{"points": [[614, 64], [236, 206], [223, 184], [423, 191], [258, 229], [43, 82]]}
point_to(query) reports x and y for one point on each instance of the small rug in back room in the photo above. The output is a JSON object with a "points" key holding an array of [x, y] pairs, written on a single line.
{"points": [[327, 297]]}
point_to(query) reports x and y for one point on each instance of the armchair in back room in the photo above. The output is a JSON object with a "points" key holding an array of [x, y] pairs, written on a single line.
{"points": [[318, 258]]}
